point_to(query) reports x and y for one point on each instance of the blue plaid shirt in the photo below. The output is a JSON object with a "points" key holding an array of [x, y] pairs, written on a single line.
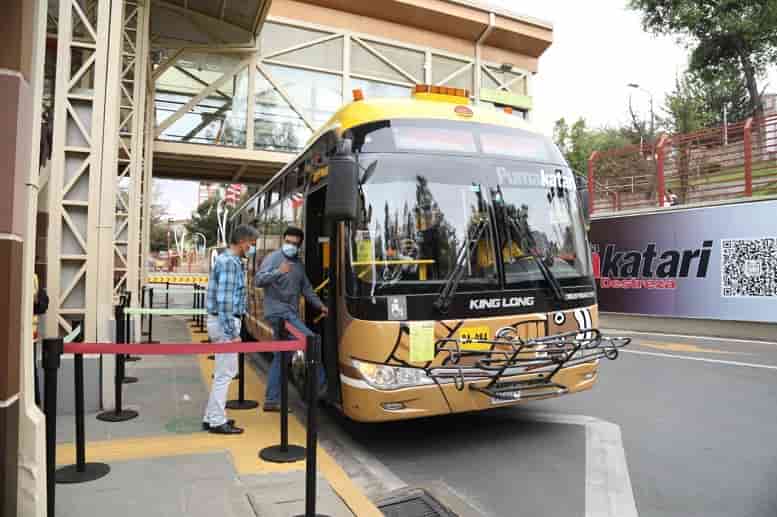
{"points": [[227, 292]]}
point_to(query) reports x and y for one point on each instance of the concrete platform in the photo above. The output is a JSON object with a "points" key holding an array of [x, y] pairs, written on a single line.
{"points": [[162, 463]]}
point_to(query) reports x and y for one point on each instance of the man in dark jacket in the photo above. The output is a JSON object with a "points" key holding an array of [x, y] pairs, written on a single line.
{"points": [[282, 276]]}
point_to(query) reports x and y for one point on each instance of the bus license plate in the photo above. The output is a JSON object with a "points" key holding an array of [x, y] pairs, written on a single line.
{"points": [[475, 333], [506, 398]]}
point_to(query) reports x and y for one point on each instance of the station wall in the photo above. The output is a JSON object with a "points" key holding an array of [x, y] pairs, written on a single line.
{"points": [[715, 262]]}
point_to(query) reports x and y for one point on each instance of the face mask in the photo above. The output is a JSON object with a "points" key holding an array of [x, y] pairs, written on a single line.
{"points": [[290, 250], [251, 251]]}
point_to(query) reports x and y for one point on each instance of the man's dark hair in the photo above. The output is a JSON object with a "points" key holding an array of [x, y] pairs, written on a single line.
{"points": [[243, 233], [294, 232]]}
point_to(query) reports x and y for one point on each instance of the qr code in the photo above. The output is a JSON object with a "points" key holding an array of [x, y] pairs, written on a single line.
{"points": [[748, 267]]}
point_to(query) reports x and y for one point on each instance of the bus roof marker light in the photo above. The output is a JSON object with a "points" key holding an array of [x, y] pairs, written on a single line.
{"points": [[358, 95], [463, 111]]}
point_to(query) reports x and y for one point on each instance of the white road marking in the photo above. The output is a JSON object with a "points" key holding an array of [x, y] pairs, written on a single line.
{"points": [[702, 359], [687, 336], [608, 491]]}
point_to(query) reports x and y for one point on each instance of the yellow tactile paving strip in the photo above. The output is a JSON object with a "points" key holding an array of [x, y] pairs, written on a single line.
{"points": [[261, 430]]}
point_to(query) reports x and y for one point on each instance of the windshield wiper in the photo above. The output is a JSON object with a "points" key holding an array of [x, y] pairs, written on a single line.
{"points": [[443, 301], [550, 278]]}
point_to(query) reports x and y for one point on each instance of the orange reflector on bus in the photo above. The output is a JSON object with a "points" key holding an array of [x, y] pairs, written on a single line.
{"points": [[358, 95], [441, 90], [508, 110]]}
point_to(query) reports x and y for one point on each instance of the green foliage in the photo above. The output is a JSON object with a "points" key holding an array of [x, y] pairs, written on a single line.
{"points": [[685, 108], [728, 38], [577, 142], [205, 220], [158, 223]]}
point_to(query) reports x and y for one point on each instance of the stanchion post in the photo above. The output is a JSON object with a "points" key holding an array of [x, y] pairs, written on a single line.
{"points": [[118, 414], [52, 357], [126, 338], [313, 358], [195, 302], [167, 295], [241, 402], [283, 453], [81, 471], [202, 306]]}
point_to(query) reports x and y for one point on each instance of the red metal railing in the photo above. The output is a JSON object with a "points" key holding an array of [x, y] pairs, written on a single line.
{"points": [[735, 161]]}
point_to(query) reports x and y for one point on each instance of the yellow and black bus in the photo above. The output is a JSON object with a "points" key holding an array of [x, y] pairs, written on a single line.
{"points": [[449, 243]]}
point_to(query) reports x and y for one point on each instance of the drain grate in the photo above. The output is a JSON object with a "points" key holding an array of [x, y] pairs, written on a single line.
{"points": [[414, 504]]}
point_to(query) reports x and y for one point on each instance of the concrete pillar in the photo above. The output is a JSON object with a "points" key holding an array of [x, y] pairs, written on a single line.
{"points": [[22, 459]]}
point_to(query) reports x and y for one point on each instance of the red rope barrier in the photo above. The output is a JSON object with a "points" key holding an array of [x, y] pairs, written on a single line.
{"points": [[190, 348], [183, 348]]}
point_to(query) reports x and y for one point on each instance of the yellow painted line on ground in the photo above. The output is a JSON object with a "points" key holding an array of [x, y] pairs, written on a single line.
{"points": [[685, 347], [261, 430]]}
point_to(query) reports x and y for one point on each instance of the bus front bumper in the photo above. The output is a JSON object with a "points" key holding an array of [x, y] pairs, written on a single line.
{"points": [[364, 403]]}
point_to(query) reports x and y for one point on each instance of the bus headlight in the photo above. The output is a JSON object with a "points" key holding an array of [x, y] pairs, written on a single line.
{"points": [[386, 377]]}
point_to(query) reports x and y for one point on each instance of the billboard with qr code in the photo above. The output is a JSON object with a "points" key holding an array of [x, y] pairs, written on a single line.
{"points": [[714, 262]]}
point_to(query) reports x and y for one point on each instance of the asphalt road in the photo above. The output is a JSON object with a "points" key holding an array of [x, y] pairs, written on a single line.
{"points": [[698, 422]]}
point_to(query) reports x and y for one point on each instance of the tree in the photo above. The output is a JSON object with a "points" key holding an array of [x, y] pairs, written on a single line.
{"points": [[685, 109], [158, 222], [577, 142], [205, 220], [725, 35]]}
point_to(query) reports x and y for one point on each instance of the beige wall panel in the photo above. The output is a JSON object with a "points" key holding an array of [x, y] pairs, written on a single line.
{"points": [[316, 14], [498, 55]]}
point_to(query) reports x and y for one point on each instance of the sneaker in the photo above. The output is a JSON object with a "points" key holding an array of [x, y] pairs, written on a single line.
{"points": [[225, 428], [271, 406], [206, 425]]}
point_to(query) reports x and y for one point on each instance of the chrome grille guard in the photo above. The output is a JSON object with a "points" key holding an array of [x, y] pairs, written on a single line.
{"points": [[543, 357]]}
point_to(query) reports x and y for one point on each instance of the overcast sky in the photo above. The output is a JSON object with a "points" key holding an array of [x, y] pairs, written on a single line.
{"points": [[598, 48]]}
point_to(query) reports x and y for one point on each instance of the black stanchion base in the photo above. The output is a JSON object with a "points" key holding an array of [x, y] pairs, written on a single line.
{"points": [[274, 454], [128, 379], [242, 404], [70, 474], [132, 358], [211, 357], [113, 416]]}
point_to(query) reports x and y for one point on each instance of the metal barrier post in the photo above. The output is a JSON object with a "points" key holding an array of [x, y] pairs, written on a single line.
{"points": [[126, 379], [202, 306], [81, 471], [118, 414], [52, 357], [283, 453], [150, 333], [167, 295], [748, 148], [128, 338], [241, 402], [313, 358], [591, 189]]}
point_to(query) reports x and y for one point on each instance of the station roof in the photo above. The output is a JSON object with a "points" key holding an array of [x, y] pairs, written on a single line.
{"points": [[248, 15]]}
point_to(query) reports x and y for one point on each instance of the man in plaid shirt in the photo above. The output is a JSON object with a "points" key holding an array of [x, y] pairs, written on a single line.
{"points": [[226, 305]]}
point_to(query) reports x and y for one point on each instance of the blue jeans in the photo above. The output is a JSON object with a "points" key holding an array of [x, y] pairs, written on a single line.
{"points": [[273, 393]]}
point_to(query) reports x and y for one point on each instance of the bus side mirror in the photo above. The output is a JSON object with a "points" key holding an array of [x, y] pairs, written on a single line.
{"points": [[585, 199], [342, 184]]}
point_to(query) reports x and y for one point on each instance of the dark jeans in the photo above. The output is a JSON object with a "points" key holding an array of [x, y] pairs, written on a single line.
{"points": [[273, 393]]}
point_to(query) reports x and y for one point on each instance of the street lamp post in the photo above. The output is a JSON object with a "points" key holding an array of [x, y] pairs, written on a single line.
{"points": [[652, 115]]}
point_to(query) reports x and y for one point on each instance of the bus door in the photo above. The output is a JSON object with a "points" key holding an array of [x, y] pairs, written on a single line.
{"points": [[319, 267]]}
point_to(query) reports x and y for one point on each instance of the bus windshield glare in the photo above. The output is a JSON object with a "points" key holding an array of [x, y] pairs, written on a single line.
{"points": [[420, 208]]}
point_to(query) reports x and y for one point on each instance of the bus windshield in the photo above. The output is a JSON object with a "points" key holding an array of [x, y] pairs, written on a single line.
{"points": [[419, 212]]}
